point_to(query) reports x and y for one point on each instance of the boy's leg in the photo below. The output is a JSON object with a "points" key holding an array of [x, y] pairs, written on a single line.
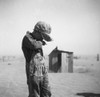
{"points": [[28, 79], [30, 87], [45, 90], [35, 89]]}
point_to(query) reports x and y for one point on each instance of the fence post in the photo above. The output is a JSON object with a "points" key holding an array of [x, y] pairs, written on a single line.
{"points": [[97, 57]]}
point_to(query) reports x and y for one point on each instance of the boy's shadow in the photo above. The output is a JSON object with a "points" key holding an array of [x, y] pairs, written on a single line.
{"points": [[88, 94]]}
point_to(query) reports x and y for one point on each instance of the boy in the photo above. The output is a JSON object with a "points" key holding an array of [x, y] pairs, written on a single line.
{"points": [[37, 77]]}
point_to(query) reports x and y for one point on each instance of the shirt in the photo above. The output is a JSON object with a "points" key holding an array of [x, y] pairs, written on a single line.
{"points": [[29, 48]]}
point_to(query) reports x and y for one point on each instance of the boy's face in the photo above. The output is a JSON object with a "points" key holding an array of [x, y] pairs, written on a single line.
{"points": [[38, 59], [38, 36]]}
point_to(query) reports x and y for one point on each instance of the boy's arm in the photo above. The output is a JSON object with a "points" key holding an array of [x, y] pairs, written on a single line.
{"points": [[31, 43]]}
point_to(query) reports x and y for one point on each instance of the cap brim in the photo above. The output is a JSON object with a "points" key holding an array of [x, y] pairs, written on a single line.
{"points": [[46, 37]]}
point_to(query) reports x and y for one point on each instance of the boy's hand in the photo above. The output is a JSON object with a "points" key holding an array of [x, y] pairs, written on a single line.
{"points": [[38, 44]]}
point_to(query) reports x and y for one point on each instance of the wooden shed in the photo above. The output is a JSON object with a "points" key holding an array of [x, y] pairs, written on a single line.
{"points": [[60, 61]]}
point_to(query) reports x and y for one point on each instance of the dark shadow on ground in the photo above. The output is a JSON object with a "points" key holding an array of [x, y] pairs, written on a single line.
{"points": [[88, 94]]}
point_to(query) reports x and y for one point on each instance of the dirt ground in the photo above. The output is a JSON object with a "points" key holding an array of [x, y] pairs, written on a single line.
{"points": [[13, 82]]}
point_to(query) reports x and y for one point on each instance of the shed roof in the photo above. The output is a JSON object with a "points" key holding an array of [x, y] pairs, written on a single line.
{"points": [[60, 51]]}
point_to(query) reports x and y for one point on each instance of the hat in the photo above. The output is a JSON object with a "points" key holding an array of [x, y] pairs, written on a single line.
{"points": [[44, 29]]}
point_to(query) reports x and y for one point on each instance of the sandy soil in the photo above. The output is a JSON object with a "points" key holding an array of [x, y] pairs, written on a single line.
{"points": [[13, 81]]}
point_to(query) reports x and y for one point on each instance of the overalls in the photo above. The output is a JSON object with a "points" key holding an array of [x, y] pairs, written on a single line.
{"points": [[38, 77]]}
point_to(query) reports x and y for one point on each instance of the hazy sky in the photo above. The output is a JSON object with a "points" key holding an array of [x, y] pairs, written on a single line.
{"points": [[75, 24]]}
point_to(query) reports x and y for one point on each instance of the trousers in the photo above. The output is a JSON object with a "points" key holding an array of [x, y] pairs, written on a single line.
{"points": [[38, 86]]}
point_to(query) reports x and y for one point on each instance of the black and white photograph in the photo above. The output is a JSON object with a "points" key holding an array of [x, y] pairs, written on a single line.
{"points": [[49, 48]]}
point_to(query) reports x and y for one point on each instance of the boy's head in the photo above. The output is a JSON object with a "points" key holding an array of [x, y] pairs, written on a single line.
{"points": [[38, 59], [42, 31]]}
